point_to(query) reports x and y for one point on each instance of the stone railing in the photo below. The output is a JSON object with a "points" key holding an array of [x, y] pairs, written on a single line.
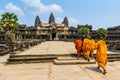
{"points": [[113, 45], [26, 44], [19, 46]]}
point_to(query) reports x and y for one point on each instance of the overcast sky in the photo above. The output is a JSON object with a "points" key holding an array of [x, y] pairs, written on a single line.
{"points": [[99, 13]]}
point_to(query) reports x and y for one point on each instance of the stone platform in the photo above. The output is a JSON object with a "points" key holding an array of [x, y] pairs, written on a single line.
{"points": [[50, 71], [52, 51]]}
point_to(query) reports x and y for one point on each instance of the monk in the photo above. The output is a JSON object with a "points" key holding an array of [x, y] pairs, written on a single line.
{"points": [[101, 55], [86, 48], [78, 46], [92, 47]]}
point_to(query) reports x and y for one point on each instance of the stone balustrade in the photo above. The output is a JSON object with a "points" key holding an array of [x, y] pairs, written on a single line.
{"points": [[19, 46]]}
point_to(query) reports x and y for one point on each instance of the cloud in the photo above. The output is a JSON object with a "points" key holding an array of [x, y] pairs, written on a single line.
{"points": [[73, 21], [59, 20], [37, 7], [2, 11], [13, 8]]}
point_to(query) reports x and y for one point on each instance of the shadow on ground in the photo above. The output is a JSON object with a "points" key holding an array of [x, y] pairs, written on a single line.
{"points": [[94, 69]]}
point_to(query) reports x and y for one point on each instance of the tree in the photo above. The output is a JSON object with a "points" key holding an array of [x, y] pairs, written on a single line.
{"points": [[83, 30], [1, 24], [101, 32], [9, 21]]}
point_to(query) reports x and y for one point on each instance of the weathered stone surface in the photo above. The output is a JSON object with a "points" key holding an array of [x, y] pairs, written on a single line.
{"points": [[49, 71], [51, 47], [81, 61], [48, 51], [51, 18]]}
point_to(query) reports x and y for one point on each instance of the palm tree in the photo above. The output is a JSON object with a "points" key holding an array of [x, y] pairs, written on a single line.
{"points": [[1, 24], [9, 21]]}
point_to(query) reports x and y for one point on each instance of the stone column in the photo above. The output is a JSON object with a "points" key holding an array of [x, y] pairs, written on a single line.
{"points": [[50, 36], [65, 37], [56, 35]]}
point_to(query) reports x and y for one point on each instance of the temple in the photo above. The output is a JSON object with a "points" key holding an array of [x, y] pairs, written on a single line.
{"points": [[48, 31], [57, 31]]}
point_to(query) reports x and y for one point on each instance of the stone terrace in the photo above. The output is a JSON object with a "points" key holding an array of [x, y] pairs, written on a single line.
{"points": [[49, 71]]}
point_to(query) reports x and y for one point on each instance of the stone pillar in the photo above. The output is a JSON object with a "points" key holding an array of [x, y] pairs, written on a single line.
{"points": [[65, 37], [56, 35], [50, 36]]}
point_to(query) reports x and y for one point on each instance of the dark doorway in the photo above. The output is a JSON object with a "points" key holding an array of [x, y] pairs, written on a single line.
{"points": [[53, 34]]}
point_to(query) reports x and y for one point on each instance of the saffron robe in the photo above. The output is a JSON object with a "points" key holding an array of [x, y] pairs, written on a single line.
{"points": [[78, 46], [86, 48], [101, 55], [92, 47]]}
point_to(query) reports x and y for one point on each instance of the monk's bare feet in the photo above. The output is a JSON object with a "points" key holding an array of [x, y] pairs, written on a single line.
{"points": [[104, 72], [88, 59], [98, 67]]}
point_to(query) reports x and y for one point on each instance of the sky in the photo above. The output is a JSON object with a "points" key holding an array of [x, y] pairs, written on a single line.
{"points": [[98, 13]]}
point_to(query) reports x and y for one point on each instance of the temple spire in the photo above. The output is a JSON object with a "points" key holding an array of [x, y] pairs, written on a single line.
{"points": [[65, 21], [37, 21], [51, 18]]}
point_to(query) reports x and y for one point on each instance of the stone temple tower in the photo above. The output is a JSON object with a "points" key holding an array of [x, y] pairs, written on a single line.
{"points": [[51, 18], [37, 21], [65, 21]]}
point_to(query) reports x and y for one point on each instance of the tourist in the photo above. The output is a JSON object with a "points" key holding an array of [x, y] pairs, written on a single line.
{"points": [[78, 46]]}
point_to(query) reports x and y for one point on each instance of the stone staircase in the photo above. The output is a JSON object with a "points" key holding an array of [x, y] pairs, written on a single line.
{"points": [[72, 60], [112, 57], [56, 59], [30, 58]]}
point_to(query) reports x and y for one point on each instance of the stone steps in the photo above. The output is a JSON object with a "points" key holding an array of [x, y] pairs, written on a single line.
{"points": [[56, 59], [74, 61], [4, 52], [30, 59], [14, 59], [53, 55], [114, 59]]}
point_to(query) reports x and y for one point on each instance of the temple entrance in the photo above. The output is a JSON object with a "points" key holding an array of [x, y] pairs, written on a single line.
{"points": [[53, 34]]}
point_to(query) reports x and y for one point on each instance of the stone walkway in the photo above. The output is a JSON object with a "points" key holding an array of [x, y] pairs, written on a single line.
{"points": [[49, 71], [51, 47]]}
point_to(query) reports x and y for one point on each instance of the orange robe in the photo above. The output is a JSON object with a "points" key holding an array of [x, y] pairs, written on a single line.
{"points": [[78, 46], [101, 55], [86, 48], [92, 47]]}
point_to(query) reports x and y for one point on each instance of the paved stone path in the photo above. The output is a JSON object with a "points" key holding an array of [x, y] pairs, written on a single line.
{"points": [[49, 71], [51, 47]]}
